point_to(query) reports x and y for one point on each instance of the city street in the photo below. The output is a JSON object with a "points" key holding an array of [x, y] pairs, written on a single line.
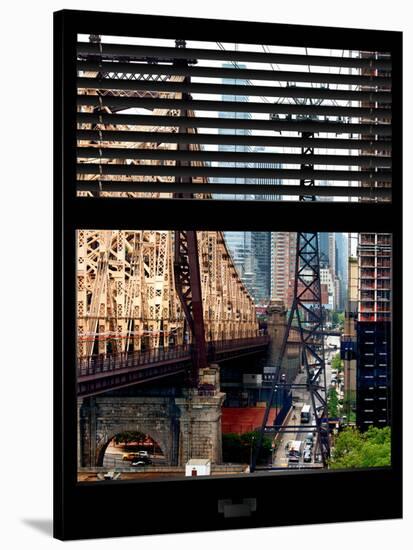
{"points": [[300, 398], [114, 457]]}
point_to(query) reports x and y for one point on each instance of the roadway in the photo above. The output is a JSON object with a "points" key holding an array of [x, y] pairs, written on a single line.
{"points": [[300, 398], [113, 459]]}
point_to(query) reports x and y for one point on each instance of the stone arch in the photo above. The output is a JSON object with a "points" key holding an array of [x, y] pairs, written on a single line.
{"points": [[103, 417], [156, 435]]}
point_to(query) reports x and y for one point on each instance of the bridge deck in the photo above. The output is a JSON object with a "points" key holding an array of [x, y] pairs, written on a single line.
{"points": [[97, 374]]}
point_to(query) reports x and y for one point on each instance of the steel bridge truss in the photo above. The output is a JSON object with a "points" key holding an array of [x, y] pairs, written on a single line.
{"points": [[127, 291], [188, 287], [114, 74], [306, 316]]}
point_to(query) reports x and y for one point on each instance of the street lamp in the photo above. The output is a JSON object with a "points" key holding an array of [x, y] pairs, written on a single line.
{"points": [[251, 447]]}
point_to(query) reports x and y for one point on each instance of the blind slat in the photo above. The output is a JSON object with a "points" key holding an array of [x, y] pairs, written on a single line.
{"points": [[195, 172], [138, 51], [190, 122], [229, 90], [236, 74], [219, 156], [232, 139], [274, 125], [233, 89], [230, 189]]}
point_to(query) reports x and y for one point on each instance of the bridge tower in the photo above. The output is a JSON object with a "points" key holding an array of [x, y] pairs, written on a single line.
{"points": [[186, 263], [307, 313]]}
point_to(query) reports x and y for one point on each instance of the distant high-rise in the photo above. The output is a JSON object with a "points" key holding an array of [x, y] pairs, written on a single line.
{"points": [[283, 245], [332, 253], [342, 268], [326, 278], [251, 253], [261, 265], [323, 249], [237, 131], [238, 242], [250, 250], [239, 245]]}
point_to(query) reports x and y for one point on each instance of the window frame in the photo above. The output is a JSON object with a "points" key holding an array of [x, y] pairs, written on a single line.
{"points": [[78, 509]]}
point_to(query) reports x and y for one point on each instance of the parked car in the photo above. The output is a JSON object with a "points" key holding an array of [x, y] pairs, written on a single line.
{"points": [[293, 462], [141, 461], [309, 437], [307, 456], [130, 456]]}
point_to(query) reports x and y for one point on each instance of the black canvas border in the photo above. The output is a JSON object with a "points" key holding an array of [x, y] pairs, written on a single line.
{"points": [[110, 509]]}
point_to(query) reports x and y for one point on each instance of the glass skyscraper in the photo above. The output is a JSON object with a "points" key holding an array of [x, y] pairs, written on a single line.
{"points": [[237, 131], [251, 251]]}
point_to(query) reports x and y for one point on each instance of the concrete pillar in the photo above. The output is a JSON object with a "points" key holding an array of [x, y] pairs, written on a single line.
{"points": [[87, 432], [276, 327], [200, 419]]}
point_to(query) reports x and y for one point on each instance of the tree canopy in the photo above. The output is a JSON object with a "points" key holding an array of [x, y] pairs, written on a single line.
{"points": [[237, 448], [336, 363], [130, 437], [337, 318], [354, 449], [332, 403]]}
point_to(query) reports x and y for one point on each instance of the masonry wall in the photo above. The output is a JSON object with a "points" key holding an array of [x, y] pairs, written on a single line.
{"points": [[200, 427], [184, 428], [101, 418]]}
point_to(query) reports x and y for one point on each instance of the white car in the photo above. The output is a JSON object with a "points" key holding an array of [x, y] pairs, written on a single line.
{"points": [[307, 456]]}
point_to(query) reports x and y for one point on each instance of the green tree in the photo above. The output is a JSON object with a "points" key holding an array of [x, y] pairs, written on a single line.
{"points": [[337, 318], [349, 405], [336, 363], [237, 448], [332, 403], [130, 437], [353, 449]]}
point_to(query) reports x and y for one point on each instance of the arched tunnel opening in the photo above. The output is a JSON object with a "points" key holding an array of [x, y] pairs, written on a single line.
{"points": [[131, 448]]}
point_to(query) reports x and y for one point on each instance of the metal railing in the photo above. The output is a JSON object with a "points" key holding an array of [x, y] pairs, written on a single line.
{"points": [[97, 364], [236, 343]]}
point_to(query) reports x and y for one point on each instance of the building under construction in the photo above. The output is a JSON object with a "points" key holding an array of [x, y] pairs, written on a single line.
{"points": [[374, 330], [374, 307]]}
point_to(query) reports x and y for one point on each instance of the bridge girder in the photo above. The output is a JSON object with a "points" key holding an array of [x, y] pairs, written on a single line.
{"points": [[126, 292]]}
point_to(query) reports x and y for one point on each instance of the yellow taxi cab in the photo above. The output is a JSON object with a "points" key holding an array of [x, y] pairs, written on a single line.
{"points": [[130, 456]]}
